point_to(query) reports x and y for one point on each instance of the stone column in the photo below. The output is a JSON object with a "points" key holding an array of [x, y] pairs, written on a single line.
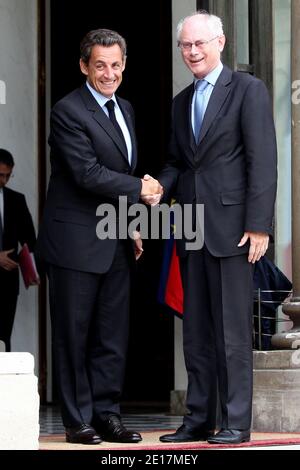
{"points": [[19, 402], [291, 339], [276, 391]]}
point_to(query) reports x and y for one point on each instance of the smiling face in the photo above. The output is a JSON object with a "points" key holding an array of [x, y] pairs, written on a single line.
{"points": [[203, 59], [104, 69]]}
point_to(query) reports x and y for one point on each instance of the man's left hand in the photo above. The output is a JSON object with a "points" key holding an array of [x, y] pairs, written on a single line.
{"points": [[259, 243], [138, 244]]}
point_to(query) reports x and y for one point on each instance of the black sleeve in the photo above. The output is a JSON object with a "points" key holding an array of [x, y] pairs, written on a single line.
{"points": [[26, 232]]}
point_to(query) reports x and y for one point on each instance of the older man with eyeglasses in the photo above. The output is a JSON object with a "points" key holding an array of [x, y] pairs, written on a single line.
{"points": [[222, 155]]}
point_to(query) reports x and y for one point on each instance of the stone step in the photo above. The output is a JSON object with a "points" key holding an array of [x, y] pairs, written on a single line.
{"points": [[19, 402]]}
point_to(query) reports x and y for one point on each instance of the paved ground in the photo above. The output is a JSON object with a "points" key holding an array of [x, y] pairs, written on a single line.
{"points": [[151, 426]]}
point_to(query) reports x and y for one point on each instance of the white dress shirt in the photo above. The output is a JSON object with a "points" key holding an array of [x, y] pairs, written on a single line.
{"points": [[101, 100]]}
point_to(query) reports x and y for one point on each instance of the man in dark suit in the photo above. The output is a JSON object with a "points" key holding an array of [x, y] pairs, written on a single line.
{"points": [[93, 158], [16, 227], [222, 155]]}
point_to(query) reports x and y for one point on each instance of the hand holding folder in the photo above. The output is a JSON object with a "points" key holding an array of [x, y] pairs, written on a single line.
{"points": [[28, 267]]}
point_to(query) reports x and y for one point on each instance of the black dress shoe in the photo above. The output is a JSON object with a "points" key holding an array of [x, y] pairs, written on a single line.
{"points": [[230, 436], [113, 430], [185, 434], [83, 434]]}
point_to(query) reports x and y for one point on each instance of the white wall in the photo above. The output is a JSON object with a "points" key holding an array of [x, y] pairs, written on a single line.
{"points": [[18, 131], [181, 75]]}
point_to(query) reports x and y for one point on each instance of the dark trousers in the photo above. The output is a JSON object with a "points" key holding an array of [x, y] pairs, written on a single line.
{"points": [[217, 335], [90, 317], [8, 305]]}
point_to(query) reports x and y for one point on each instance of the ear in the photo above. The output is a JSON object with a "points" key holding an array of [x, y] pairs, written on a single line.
{"points": [[222, 41], [124, 64], [83, 67]]}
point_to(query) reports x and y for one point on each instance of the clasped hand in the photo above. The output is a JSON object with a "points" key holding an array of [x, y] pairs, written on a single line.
{"points": [[152, 190]]}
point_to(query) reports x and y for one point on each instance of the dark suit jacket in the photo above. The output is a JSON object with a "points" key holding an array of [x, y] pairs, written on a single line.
{"points": [[89, 167], [18, 228], [233, 170]]}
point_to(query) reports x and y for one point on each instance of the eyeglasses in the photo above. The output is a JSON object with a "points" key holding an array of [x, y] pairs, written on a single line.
{"points": [[187, 46]]}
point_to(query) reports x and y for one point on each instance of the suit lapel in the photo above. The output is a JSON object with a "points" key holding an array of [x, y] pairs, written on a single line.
{"points": [[129, 122], [192, 141], [218, 96], [184, 121], [102, 119]]}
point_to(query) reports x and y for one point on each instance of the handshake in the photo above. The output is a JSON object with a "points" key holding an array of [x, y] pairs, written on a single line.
{"points": [[152, 191]]}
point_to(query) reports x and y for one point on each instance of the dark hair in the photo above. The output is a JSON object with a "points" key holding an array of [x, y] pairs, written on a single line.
{"points": [[6, 158], [101, 37]]}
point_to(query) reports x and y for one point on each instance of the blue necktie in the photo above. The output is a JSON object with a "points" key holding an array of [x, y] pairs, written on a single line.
{"points": [[199, 107]]}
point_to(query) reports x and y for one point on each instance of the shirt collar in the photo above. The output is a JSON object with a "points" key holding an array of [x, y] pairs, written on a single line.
{"points": [[101, 99], [213, 76]]}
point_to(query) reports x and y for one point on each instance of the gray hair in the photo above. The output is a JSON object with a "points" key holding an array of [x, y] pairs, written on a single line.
{"points": [[214, 23], [101, 37]]}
